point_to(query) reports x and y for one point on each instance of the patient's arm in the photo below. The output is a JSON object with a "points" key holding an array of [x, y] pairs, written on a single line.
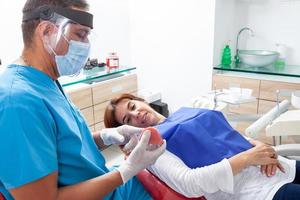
{"points": [[193, 182]]}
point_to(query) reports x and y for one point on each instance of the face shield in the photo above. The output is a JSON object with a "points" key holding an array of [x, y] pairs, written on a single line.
{"points": [[69, 36]]}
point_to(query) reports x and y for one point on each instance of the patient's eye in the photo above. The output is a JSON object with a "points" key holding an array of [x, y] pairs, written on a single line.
{"points": [[128, 120], [131, 106]]}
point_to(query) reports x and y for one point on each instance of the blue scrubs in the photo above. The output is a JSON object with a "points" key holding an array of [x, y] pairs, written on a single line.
{"points": [[42, 132]]}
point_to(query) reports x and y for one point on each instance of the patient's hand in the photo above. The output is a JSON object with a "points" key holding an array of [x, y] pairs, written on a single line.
{"points": [[261, 154], [270, 169]]}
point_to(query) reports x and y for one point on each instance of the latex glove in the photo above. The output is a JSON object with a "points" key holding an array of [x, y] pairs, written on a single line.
{"points": [[120, 135], [140, 158]]}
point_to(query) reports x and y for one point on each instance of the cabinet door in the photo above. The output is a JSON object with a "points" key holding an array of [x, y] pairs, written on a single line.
{"points": [[106, 90], [268, 90], [265, 106], [222, 81], [99, 111], [82, 97], [92, 128], [88, 114], [245, 108], [99, 126]]}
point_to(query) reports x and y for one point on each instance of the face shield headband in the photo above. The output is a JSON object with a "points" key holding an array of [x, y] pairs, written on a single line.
{"points": [[48, 13]]}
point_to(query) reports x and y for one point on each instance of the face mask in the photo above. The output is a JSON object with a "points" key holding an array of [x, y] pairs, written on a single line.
{"points": [[74, 60]]}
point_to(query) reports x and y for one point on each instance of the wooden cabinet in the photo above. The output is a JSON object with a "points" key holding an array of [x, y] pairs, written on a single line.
{"points": [[264, 106], [82, 97], [88, 115], [106, 90], [99, 111], [268, 90], [225, 82], [221, 81], [263, 90]]}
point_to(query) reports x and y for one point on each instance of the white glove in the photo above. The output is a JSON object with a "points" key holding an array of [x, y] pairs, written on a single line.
{"points": [[120, 135], [140, 158]]}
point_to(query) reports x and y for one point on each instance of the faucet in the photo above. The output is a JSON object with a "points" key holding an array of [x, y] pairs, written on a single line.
{"points": [[237, 58]]}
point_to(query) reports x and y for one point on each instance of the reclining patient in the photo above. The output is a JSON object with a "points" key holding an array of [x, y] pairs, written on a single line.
{"points": [[207, 157]]}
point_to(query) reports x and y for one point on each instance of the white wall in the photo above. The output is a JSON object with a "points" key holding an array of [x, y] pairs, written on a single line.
{"points": [[172, 47], [273, 21], [111, 28], [170, 42], [224, 24], [11, 43]]}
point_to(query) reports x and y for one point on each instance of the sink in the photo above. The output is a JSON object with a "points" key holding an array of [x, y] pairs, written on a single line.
{"points": [[258, 58]]}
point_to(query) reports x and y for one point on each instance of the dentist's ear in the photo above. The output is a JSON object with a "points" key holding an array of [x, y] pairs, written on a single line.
{"points": [[44, 29]]}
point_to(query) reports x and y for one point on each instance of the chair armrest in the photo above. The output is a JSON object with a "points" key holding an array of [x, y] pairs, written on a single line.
{"points": [[288, 149]]}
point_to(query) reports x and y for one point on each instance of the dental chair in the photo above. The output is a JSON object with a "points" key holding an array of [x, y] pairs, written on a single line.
{"points": [[273, 120], [158, 190], [282, 120]]}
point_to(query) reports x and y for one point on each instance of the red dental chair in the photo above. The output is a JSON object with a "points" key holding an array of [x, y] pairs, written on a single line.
{"points": [[158, 189], [1, 197]]}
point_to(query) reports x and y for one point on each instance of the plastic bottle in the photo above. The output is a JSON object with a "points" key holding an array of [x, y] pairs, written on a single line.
{"points": [[281, 49], [112, 61], [226, 56]]}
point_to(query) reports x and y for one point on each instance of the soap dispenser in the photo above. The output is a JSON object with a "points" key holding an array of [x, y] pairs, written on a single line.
{"points": [[281, 49], [226, 55]]}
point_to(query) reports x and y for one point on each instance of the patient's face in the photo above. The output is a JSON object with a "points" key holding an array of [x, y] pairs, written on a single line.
{"points": [[136, 113]]}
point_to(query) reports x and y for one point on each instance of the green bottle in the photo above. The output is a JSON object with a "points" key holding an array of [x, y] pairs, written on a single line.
{"points": [[226, 56]]}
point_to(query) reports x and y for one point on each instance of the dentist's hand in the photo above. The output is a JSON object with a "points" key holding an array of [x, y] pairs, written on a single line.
{"points": [[120, 135], [140, 158]]}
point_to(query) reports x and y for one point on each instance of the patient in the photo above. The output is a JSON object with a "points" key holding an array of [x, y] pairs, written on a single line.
{"points": [[207, 157]]}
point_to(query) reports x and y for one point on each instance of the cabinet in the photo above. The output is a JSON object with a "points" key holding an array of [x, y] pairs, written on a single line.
{"points": [[92, 99], [221, 81], [263, 90]]}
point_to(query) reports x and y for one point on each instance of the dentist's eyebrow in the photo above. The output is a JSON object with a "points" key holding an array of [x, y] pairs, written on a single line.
{"points": [[125, 114]]}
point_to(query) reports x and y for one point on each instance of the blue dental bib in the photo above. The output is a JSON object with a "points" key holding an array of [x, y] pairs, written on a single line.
{"points": [[201, 137]]}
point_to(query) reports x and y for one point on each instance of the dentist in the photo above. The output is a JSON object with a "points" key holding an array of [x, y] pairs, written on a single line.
{"points": [[46, 148]]}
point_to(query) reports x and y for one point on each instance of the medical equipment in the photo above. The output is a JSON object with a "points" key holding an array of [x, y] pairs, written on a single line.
{"points": [[279, 121], [254, 129], [287, 123], [222, 99]]}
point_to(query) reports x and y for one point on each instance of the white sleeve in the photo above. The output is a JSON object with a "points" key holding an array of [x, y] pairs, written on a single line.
{"points": [[193, 182]]}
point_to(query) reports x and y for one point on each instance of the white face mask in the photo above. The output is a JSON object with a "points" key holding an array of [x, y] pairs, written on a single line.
{"points": [[74, 60]]}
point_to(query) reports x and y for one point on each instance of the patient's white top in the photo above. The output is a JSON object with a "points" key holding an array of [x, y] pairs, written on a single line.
{"points": [[217, 181]]}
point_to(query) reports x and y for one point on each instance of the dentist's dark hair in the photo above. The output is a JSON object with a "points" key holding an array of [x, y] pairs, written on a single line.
{"points": [[109, 115], [29, 27]]}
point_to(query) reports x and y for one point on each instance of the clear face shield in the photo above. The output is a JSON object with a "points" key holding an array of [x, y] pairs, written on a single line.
{"points": [[69, 36]]}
